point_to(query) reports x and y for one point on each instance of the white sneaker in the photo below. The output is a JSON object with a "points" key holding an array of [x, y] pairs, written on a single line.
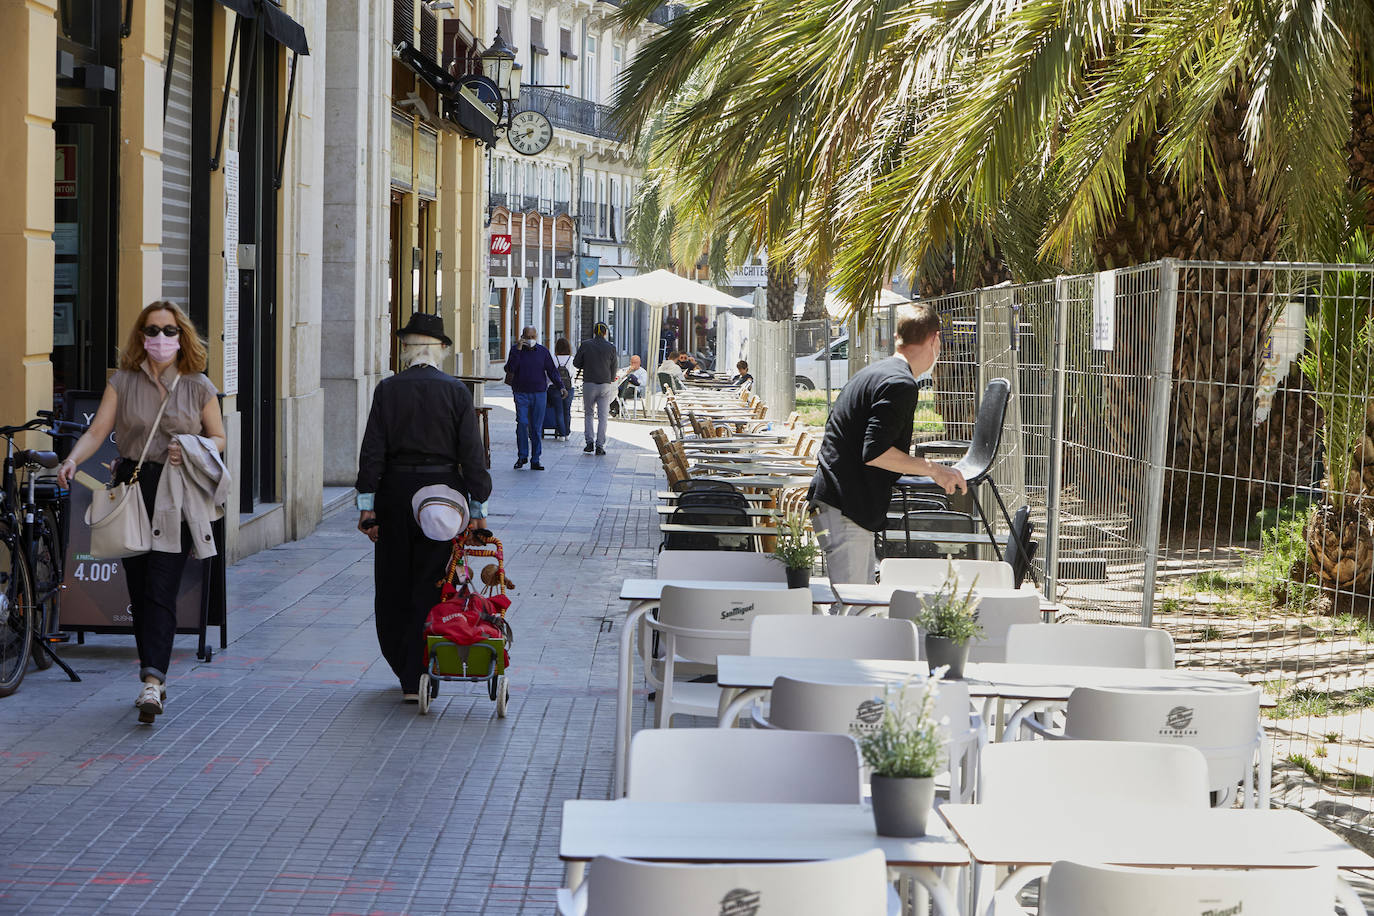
{"points": [[138, 700], [150, 702]]}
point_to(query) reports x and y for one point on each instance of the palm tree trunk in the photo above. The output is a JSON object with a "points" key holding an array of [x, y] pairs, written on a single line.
{"points": [[816, 283], [782, 291], [1361, 150]]}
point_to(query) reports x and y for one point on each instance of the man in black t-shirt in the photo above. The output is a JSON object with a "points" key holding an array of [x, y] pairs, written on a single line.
{"points": [[867, 447]]}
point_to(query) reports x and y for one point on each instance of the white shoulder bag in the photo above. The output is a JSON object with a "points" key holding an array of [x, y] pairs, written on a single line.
{"points": [[118, 518]]}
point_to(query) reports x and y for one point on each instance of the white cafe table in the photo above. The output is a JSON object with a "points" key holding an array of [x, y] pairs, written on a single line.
{"points": [[1148, 836], [735, 832], [642, 594], [753, 675]]}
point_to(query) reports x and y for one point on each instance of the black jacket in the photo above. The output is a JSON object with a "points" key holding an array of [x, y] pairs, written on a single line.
{"points": [[596, 358], [873, 413], [423, 416]]}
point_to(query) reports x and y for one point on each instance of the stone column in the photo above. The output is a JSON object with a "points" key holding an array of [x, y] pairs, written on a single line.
{"points": [[27, 108], [140, 162], [355, 219]]}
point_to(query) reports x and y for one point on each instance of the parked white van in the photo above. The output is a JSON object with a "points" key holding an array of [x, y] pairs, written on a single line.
{"points": [[810, 370]]}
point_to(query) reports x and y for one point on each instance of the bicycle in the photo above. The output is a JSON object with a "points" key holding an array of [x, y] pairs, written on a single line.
{"points": [[33, 529]]}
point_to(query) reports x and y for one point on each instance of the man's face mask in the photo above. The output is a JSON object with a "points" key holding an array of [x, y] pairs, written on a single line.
{"points": [[527, 341]]}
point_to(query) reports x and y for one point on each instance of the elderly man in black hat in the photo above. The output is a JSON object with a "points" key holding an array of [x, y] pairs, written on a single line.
{"points": [[422, 431]]}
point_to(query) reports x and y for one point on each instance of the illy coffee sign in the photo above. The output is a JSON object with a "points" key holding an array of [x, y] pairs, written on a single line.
{"points": [[500, 244]]}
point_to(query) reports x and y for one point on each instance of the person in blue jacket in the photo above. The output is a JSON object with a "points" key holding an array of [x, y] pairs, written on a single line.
{"points": [[530, 370]]}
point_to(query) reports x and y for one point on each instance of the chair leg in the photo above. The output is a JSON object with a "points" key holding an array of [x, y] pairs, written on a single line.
{"points": [[1011, 532], [982, 517]]}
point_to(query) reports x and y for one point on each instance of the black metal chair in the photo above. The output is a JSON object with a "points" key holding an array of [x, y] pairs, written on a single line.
{"points": [[976, 464], [733, 516], [1020, 547]]}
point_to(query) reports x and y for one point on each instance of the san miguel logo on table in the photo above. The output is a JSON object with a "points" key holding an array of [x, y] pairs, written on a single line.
{"points": [[1176, 723], [740, 902], [500, 244]]}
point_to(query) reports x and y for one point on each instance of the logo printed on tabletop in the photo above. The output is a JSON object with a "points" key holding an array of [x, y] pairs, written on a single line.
{"points": [[740, 902], [500, 244], [736, 611], [1176, 723], [1228, 911]]}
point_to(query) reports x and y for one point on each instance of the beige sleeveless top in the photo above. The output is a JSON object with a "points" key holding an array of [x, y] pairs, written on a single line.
{"points": [[139, 400]]}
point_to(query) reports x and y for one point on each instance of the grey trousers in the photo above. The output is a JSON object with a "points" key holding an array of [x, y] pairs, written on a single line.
{"points": [[848, 546], [598, 397]]}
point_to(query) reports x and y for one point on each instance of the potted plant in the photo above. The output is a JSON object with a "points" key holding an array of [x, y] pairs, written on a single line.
{"points": [[795, 549], [903, 750], [949, 620]]}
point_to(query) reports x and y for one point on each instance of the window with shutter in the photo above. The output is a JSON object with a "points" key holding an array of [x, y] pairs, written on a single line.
{"points": [[504, 23], [403, 22], [537, 36], [429, 34]]}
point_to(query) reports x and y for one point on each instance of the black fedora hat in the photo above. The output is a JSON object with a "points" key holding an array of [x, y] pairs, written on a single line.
{"points": [[428, 325]]}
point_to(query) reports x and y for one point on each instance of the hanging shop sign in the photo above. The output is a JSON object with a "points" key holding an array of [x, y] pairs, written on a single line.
{"points": [[426, 163], [402, 156]]}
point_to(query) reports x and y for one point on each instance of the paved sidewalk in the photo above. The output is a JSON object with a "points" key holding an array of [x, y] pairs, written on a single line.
{"points": [[287, 777]]}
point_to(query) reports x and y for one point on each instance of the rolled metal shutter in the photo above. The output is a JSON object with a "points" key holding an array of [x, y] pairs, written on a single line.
{"points": [[176, 165]]}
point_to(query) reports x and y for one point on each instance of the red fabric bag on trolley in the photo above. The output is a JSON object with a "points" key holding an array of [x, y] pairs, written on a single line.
{"points": [[466, 618], [463, 616]]}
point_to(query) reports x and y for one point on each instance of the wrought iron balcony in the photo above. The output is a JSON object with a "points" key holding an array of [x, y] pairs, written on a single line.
{"points": [[572, 113]]}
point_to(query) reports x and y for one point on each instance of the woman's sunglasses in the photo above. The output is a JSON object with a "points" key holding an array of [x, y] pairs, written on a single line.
{"points": [[153, 330]]}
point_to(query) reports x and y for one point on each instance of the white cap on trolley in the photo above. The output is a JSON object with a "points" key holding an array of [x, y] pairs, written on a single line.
{"points": [[440, 511]]}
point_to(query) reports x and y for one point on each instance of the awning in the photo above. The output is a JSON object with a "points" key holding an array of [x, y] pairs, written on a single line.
{"points": [[277, 24], [245, 8], [471, 117]]}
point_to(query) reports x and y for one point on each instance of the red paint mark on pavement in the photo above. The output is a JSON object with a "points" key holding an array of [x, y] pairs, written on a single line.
{"points": [[351, 885], [122, 879], [354, 681], [21, 758], [128, 760]]}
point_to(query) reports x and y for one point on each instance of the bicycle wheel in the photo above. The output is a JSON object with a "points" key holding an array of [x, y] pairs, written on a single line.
{"points": [[16, 614], [47, 588]]}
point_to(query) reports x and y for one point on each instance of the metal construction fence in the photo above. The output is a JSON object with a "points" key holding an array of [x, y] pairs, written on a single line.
{"points": [[1177, 462]]}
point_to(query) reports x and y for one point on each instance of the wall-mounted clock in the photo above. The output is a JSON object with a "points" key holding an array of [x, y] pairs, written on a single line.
{"points": [[530, 132]]}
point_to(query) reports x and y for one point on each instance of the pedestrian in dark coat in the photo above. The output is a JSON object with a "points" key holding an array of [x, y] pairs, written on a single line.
{"points": [[422, 431]]}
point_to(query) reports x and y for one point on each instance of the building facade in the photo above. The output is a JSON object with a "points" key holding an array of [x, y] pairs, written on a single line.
{"points": [[557, 218], [169, 149], [404, 203], [297, 175]]}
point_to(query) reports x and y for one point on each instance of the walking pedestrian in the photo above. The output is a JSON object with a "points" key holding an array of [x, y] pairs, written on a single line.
{"points": [[421, 433], [530, 370], [866, 448], [163, 362], [596, 358], [561, 398]]}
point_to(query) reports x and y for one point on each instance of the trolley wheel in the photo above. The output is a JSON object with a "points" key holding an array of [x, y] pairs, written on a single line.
{"points": [[491, 687], [502, 696], [425, 682]]}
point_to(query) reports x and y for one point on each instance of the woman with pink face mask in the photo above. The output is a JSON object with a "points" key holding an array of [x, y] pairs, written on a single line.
{"points": [[162, 360]]}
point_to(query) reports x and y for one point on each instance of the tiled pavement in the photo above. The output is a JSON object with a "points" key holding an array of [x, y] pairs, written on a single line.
{"points": [[286, 776]]}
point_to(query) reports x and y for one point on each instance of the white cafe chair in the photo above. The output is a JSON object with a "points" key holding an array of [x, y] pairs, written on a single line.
{"points": [[1103, 645], [697, 625], [743, 765], [1074, 889], [844, 708], [854, 886], [930, 572], [823, 636], [719, 566], [1061, 776], [996, 613], [1221, 722]]}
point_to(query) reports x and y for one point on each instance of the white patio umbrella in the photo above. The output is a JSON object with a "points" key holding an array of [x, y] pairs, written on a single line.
{"points": [[659, 289]]}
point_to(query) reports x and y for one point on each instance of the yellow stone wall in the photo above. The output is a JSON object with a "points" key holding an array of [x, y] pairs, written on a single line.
{"points": [[27, 110]]}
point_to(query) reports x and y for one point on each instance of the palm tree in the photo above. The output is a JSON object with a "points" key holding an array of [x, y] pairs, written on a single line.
{"points": [[1089, 135]]}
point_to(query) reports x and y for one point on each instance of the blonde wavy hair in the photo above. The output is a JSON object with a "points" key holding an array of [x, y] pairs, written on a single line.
{"points": [[191, 356]]}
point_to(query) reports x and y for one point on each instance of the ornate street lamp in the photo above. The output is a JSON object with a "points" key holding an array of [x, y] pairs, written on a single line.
{"points": [[499, 66]]}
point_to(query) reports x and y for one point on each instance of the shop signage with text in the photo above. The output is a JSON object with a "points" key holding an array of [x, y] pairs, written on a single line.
{"points": [[500, 244]]}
